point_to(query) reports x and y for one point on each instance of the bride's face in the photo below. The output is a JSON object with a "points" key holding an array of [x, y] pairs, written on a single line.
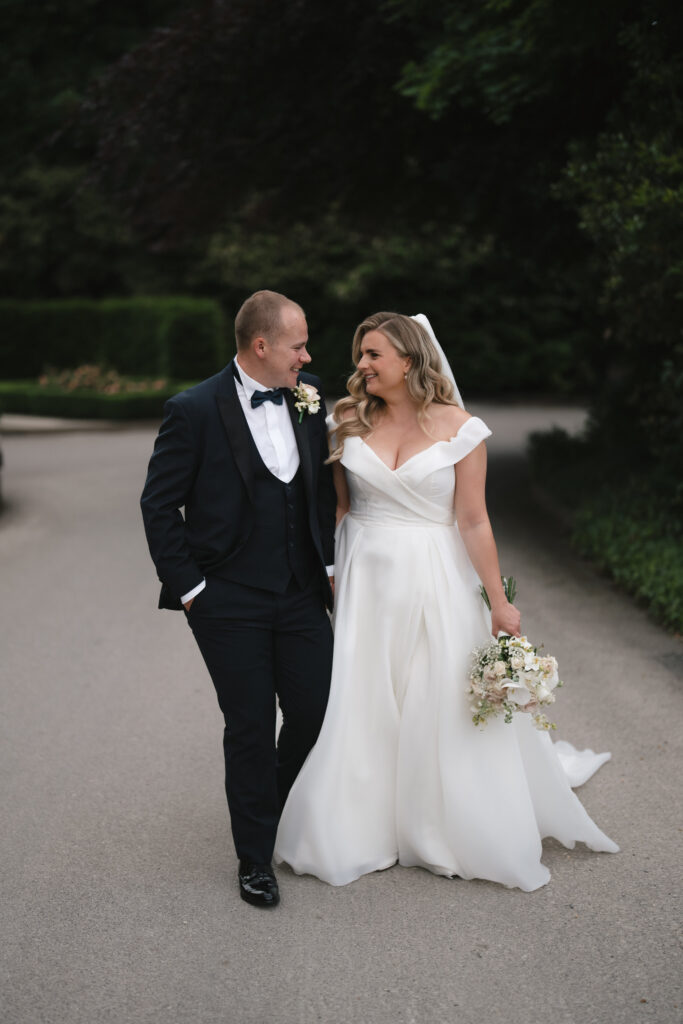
{"points": [[382, 367]]}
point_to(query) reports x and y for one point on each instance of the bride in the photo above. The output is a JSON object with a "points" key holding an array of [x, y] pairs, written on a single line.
{"points": [[399, 772]]}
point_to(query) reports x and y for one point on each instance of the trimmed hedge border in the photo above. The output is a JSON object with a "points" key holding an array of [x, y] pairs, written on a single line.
{"points": [[30, 399], [186, 338], [170, 337], [638, 550], [621, 525]]}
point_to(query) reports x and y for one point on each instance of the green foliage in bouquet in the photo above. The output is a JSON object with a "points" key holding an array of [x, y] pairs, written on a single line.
{"points": [[509, 587]]}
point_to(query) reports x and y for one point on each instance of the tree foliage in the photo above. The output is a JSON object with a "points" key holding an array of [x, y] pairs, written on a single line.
{"points": [[262, 110], [607, 81], [514, 164], [60, 235], [627, 187]]}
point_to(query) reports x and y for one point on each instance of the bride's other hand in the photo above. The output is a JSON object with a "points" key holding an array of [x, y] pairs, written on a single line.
{"points": [[505, 618], [342, 489]]}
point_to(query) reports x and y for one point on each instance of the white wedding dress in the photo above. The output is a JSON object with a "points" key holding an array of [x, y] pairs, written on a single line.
{"points": [[399, 772]]}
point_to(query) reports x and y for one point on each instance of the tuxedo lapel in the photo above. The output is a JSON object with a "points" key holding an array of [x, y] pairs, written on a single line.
{"points": [[301, 435], [236, 428]]}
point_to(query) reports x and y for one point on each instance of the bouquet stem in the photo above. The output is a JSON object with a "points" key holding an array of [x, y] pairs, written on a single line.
{"points": [[509, 587]]}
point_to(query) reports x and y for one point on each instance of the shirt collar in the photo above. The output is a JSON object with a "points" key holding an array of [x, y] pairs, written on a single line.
{"points": [[248, 383]]}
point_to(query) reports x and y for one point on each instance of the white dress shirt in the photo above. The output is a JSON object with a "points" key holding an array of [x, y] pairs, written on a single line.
{"points": [[271, 428], [273, 434]]}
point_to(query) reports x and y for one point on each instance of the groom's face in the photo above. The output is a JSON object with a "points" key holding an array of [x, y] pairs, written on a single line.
{"points": [[285, 355]]}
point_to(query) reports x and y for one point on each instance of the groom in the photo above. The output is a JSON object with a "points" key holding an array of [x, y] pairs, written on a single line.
{"points": [[248, 561]]}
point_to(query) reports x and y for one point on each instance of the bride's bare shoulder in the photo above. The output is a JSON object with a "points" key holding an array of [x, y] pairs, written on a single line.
{"points": [[447, 419]]}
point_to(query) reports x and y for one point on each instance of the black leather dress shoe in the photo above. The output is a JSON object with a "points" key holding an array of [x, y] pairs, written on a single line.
{"points": [[258, 884]]}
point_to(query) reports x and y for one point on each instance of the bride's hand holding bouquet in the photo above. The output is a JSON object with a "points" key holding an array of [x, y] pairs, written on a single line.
{"points": [[505, 618], [507, 674]]}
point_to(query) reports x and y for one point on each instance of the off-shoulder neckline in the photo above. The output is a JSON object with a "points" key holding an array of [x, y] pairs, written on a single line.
{"points": [[422, 451]]}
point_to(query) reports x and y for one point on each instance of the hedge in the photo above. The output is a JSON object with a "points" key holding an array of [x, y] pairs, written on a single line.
{"points": [[623, 520], [166, 337], [639, 547], [29, 398], [189, 339]]}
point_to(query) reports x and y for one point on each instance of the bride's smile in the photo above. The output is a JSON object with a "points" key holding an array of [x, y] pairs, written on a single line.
{"points": [[382, 368]]}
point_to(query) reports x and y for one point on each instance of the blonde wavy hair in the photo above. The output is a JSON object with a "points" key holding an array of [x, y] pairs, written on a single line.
{"points": [[425, 382]]}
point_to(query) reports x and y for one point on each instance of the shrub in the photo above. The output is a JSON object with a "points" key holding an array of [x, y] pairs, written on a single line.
{"points": [[639, 546], [29, 398], [95, 378], [624, 520], [161, 337]]}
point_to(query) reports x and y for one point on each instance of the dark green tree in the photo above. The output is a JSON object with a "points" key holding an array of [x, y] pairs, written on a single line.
{"points": [[601, 85], [253, 124], [60, 236]]}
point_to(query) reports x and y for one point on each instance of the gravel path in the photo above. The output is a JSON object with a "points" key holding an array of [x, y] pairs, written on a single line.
{"points": [[121, 902]]}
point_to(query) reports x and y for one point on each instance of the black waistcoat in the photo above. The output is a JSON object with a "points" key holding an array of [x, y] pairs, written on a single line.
{"points": [[279, 546]]}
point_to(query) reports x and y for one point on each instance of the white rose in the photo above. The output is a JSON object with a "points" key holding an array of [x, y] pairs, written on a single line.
{"points": [[498, 689], [549, 668], [500, 668], [518, 693]]}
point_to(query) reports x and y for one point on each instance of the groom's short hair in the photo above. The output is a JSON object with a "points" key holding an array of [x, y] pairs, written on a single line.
{"points": [[260, 316]]}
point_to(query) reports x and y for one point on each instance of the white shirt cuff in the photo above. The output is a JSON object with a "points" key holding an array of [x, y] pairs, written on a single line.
{"points": [[193, 593], [330, 570]]}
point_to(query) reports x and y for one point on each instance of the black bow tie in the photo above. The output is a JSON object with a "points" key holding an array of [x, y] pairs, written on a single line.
{"points": [[259, 397]]}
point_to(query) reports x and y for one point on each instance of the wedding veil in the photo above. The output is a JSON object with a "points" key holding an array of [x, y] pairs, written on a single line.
{"points": [[445, 365]]}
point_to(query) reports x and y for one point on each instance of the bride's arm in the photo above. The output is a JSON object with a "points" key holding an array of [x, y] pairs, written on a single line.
{"points": [[343, 500], [475, 530], [342, 489]]}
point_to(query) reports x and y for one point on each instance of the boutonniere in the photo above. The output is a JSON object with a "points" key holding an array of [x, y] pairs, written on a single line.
{"points": [[306, 399]]}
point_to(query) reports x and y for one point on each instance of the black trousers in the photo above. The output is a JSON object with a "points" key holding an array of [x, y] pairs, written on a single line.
{"points": [[257, 645]]}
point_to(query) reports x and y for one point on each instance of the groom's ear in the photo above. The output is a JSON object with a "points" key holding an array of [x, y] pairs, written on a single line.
{"points": [[259, 347]]}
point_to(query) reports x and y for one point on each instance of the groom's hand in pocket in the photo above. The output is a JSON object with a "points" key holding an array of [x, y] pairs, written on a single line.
{"points": [[188, 604]]}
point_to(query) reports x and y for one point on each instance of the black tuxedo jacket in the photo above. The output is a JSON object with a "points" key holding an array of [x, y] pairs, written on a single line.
{"points": [[202, 462]]}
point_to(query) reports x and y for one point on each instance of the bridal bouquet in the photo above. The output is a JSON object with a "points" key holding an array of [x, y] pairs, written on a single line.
{"points": [[507, 675]]}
